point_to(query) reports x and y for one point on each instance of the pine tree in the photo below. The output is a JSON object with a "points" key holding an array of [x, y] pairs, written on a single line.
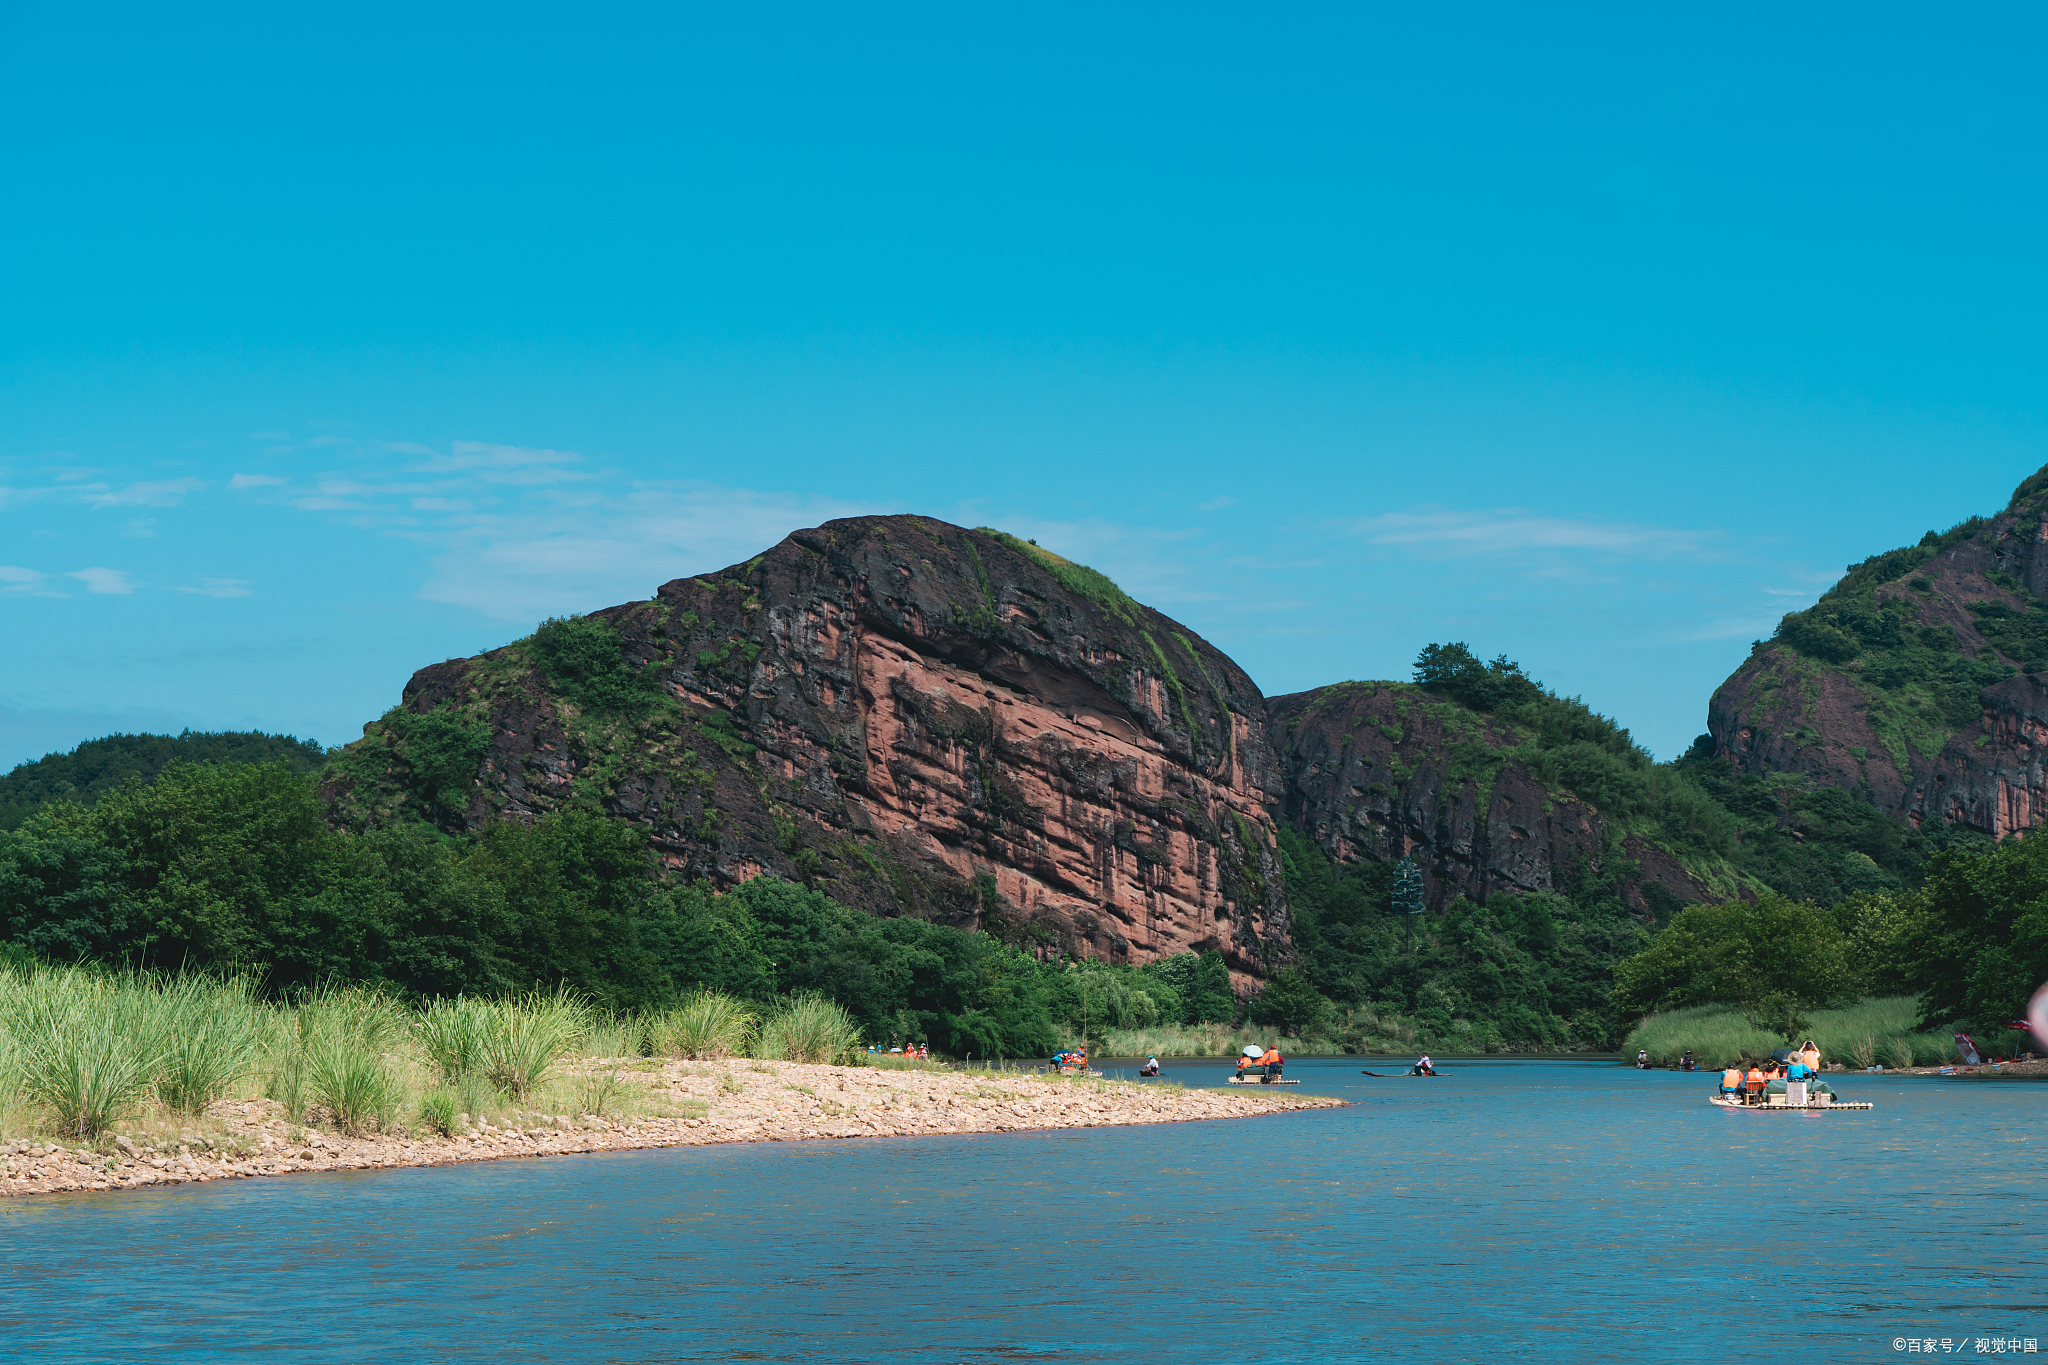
{"points": [[1408, 895]]}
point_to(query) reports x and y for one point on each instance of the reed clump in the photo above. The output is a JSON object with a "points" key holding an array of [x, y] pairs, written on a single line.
{"points": [[706, 1026], [1882, 1029], [810, 1028]]}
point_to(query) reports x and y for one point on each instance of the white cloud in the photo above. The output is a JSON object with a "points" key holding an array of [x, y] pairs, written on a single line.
{"points": [[219, 587], [562, 556], [111, 582], [241, 481], [163, 493], [1511, 529], [504, 464], [14, 578]]}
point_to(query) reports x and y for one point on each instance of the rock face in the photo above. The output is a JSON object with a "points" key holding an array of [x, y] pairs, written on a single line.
{"points": [[1386, 770], [1917, 682], [920, 719]]}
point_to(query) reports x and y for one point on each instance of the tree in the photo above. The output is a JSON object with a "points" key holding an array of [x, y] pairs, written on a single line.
{"points": [[1291, 1001], [1211, 1001], [1980, 948], [1455, 671], [1407, 899], [1741, 953]]}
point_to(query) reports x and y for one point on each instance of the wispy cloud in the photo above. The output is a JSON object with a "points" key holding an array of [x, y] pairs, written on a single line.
{"points": [[1460, 530], [241, 481], [111, 582], [557, 555], [15, 579], [159, 493], [504, 464], [218, 587]]}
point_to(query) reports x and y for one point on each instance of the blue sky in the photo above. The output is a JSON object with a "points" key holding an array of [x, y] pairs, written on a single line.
{"points": [[339, 342]]}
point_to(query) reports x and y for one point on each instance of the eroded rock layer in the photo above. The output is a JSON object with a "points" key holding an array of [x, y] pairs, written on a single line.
{"points": [[1385, 770], [920, 719]]}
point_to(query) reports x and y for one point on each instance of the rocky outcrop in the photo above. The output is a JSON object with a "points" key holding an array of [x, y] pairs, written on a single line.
{"points": [[919, 719], [1386, 770], [1916, 682]]}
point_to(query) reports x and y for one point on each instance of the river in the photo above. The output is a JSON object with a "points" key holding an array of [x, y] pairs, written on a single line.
{"points": [[1566, 1211]]}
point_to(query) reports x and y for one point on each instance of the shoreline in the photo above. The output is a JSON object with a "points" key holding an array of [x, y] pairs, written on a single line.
{"points": [[708, 1103]]}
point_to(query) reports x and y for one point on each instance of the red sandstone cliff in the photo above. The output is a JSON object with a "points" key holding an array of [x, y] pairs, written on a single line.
{"points": [[919, 719]]}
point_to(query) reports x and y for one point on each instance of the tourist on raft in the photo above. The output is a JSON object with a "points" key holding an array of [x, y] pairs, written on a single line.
{"points": [[1422, 1067], [1642, 1059], [1754, 1083], [1731, 1080]]}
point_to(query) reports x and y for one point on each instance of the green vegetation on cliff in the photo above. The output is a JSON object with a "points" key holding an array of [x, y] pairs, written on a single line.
{"points": [[1078, 579], [1880, 626]]}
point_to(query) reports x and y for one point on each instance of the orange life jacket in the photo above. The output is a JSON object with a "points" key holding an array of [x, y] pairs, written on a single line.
{"points": [[1732, 1077], [1756, 1079], [1272, 1057]]}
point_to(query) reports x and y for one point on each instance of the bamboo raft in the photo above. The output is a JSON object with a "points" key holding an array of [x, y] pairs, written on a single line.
{"points": [[1777, 1103]]}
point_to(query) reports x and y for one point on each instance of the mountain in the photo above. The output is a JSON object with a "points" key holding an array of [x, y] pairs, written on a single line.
{"points": [[1916, 683], [98, 766], [914, 717], [1541, 795]]}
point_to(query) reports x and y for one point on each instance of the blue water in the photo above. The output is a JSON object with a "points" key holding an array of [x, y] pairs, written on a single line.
{"points": [[1570, 1211]]}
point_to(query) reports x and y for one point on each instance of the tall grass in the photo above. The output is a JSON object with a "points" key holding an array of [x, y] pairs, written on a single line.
{"points": [[512, 1043], [528, 1035], [90, 1044], [810, 1028], [704, 1027], [455, 1033], [1883, 1029], [212, 1032], [86, 1052]]}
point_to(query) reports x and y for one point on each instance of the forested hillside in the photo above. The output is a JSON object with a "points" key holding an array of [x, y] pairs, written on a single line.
{"points": [[98, 766]]}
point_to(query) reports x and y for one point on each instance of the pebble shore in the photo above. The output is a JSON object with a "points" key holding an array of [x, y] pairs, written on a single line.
{"points": [[677, 1105]]}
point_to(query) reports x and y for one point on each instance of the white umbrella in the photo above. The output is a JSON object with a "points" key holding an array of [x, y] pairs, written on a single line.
{"points": [[1255, 1052]]}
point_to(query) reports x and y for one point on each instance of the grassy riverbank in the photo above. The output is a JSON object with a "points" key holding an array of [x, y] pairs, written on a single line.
{"points": [[1883, 1031], [84, 1052]]}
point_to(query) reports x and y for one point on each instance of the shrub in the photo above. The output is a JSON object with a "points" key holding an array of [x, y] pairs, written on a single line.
{"points": [[586, 662]]}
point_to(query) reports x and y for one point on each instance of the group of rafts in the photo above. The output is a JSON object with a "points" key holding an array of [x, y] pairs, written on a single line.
{"points": [[1789, 1081]]}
